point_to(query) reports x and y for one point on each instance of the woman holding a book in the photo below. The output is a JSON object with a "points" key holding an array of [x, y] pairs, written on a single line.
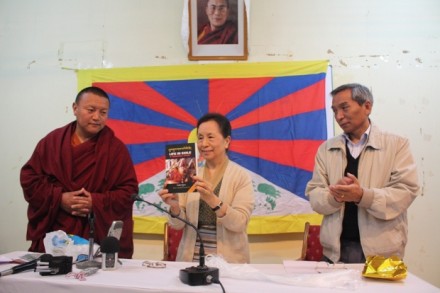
{"points": [[223, 203]]}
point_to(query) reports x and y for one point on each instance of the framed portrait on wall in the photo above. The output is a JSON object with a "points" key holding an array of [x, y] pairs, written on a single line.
{"points": [[217, 30]]}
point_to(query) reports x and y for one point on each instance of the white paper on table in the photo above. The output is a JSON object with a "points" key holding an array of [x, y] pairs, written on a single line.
{"points": [[339, 279], [317, 267]]}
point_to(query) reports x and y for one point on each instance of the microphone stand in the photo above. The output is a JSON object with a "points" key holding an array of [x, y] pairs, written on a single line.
{"points": [[195, 275], [90, 263]]}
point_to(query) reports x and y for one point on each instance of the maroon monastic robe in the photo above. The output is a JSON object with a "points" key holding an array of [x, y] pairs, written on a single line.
{"points": [[102, 165], [227, 34]]}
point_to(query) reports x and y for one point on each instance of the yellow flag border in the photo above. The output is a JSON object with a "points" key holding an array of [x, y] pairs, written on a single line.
{"points": [[87, 77], [257, 224]]}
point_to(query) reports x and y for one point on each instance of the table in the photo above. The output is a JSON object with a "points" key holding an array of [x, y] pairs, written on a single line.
{"points": [[133, 277]]}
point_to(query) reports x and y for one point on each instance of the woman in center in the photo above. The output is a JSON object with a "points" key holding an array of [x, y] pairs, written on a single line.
{"points": [[224, 201]]}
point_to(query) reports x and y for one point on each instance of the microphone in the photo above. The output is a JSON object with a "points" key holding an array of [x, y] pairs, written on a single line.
{"points": [[30, 265], [109, 250], [193, 276], [90, 263]]}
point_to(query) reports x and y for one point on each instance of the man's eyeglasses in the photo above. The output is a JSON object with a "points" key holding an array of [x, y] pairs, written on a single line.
{"points": [[219, 8]]}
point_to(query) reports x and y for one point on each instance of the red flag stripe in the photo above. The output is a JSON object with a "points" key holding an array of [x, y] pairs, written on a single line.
{"points": [[226, 94], [297, 153], [304, 101], [142, 133], [140, 93], [150, 168]]}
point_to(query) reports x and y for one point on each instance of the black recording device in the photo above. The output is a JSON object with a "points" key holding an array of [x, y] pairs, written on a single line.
{"points": [[195, 275], [109, 250], [49, 265]]}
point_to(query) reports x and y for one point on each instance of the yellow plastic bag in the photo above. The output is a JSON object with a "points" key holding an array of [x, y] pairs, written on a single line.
{"points": [[379, 267]]}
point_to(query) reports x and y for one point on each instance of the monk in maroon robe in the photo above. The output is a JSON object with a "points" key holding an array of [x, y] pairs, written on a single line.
{"points": [[219, 30], [79, 169], [227, 34]]}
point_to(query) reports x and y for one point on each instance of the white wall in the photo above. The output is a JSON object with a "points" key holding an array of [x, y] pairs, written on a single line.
{"points": [[391, 46]]}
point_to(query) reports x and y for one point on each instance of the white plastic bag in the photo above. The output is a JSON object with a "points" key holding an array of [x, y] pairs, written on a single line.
{"points": [[59, 243]]}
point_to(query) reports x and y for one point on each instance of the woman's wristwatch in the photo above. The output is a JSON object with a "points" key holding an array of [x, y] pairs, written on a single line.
{"points": [[217, 207]]}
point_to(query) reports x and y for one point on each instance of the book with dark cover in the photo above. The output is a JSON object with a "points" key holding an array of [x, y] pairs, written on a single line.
{"points": [[180, 166]]}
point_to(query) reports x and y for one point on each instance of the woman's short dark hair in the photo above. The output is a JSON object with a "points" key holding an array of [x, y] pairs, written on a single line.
{"points": [[94, 90], [222, 122]]}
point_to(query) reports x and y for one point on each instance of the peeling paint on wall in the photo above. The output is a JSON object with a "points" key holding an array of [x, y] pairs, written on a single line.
{"points": [[30, 63]]}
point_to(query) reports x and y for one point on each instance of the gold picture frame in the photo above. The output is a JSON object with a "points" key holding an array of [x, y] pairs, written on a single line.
{"points": [[230, 43]]}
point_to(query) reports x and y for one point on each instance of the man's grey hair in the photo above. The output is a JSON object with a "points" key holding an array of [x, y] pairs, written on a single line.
{"points": [[359, 93]]}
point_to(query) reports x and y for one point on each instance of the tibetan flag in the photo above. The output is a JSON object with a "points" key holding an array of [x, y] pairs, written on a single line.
{"points": [[279, 112]]}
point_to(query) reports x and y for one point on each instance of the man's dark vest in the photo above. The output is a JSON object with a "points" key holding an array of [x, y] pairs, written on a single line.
{"points": [[350, 228]]}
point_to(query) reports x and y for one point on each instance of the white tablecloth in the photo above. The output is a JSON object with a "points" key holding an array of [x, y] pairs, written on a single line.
{"points": [[271, 278]]}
